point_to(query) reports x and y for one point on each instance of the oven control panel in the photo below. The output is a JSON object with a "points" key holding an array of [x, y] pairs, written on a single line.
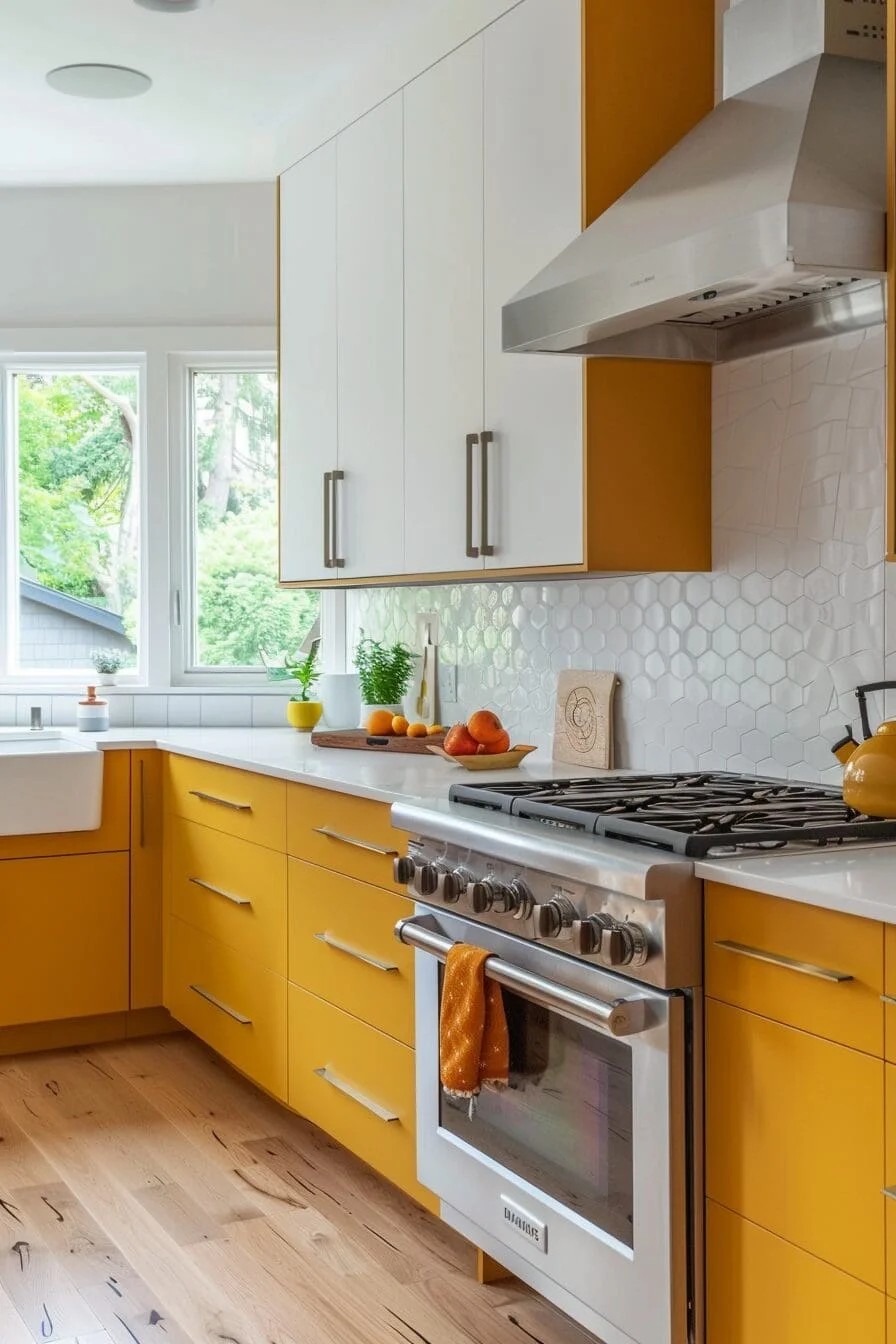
{"points": [[609, 928]]}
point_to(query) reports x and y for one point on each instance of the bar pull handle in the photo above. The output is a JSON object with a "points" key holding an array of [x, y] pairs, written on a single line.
{"points": [[349, 1090], [219, 891], [336, 562], [889, 1191], [472, 551], [222, 1007], [785, 963], [889, 1000], [355, 843], [328, 556], [220, 802], [339, 946], [485, 547]]}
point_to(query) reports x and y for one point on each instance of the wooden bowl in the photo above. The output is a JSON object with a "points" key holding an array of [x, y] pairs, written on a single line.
{"points": [[505, 760]]}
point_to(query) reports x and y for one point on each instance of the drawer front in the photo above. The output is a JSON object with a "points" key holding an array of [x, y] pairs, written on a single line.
{"points": [[231, 1003], [890, 992], [752, 941], [890, 1181], [350, 835], [794, 1140], [762, 1290], [64, 931], [342, 947], [230, 889], [356, 1084], [237, 802]]}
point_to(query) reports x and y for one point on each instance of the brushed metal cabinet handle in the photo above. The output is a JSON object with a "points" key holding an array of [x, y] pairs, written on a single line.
{"points": [[222, 1007], [888, 999], [472, 551], [355, 843], [785, 963], [219, 891], [336, 562], [485, 547], [220, 802], [348, 1090], [889, 1191], [328, 558], [339, 946]]}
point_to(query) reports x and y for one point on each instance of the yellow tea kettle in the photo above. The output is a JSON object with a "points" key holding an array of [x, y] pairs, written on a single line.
{"points": [[869, 777]]}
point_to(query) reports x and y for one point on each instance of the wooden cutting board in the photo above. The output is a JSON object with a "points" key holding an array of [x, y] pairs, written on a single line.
{"points": [[583, 720], [358, 739]]}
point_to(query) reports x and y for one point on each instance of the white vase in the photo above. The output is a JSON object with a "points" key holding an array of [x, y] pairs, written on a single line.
{"points": [[367, 710], [341, 694]]}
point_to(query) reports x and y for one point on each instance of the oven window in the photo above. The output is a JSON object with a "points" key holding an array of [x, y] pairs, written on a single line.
{"points": [[564, 1123]]}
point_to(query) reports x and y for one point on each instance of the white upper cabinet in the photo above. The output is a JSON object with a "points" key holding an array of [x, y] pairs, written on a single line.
{"points": [[308, 361], [533, 193], [370, 262], [443, 276]]}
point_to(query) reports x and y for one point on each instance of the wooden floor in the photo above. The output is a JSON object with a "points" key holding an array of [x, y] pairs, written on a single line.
{"points": [[148, 1195]]}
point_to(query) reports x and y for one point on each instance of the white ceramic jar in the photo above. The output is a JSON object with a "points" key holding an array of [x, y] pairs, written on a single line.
{"points": [[93, 713]]}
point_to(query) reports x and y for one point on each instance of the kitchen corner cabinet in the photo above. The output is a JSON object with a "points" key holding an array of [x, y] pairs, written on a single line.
{"points": [[412, 447]]}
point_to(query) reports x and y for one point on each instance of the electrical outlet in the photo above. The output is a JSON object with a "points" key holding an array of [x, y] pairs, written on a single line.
{"points": [[448, 683]]}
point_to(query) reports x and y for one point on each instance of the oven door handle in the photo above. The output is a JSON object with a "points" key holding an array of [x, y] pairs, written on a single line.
{"points": [[620, 1017]]}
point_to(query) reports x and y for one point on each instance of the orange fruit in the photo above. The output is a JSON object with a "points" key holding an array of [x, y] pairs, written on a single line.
{"points": [[459, 742], [500, 744], [399, 725], [379, 724], [416, 730], [485, 726], [434, 730]]}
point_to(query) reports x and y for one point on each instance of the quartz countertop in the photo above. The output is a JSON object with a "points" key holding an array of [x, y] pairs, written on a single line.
{"points": [[855, 880]]}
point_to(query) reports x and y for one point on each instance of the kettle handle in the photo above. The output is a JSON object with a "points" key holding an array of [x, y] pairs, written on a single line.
{"points": [[862, 692]]}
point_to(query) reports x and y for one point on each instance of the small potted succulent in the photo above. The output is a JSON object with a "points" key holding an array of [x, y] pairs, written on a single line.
{"points": [[106, 663], [385, 673], [301, 711]]}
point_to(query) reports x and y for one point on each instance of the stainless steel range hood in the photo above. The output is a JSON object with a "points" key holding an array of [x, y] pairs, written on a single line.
{"points": [[765, 227]]}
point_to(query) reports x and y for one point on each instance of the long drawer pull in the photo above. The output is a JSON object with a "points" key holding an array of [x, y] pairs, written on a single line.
{"points": [[349, 1091], [221, 802], [889, 1191], [219, 891], [338, 946], [222, 1007], [785, 963], [355, 843], [888, 999]]}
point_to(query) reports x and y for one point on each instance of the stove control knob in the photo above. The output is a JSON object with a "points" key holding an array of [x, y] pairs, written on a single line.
{"points": [[551, 919], [519, 900], [486, 895], [454, 884], [588, 934], [426, 879], [624, 945], [404, 870]]}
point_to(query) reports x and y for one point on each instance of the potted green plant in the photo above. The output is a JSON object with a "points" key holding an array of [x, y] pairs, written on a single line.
{"points": [[106, 663], [301, 711], [385, 674]]}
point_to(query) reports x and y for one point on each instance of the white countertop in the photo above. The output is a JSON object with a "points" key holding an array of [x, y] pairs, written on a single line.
{"points": [[856, 881]]}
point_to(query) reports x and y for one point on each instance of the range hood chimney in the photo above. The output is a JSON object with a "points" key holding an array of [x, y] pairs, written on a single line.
{"points": [[764, 227]]}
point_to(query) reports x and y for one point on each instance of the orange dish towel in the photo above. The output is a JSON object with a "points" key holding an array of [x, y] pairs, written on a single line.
{"points": [[474, 1047]]}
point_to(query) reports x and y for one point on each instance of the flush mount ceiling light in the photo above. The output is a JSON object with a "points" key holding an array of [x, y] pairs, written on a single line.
{"points": [[99, 81], [172, 6]]}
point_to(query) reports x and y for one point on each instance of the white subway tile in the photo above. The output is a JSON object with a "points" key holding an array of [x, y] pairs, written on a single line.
{"points": [[226, 711]]}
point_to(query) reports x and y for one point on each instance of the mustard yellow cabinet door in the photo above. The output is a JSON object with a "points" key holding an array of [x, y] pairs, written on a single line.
{"points": [[890, 1182], [762, 1290], [64, 934], [237, 802], [147, 808], [342, 947], [890, 992], [349, 835], [794, 1140]]}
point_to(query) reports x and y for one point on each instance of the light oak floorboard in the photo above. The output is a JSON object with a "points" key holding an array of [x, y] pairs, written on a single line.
{"points": [[150, 1195]]}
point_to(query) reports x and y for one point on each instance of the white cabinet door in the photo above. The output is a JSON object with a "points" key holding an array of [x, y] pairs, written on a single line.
{"points": [[443, 307], [370, 262], [308, 382], [533, 186]]}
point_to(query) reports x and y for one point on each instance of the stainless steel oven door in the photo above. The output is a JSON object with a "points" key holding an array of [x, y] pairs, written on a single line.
{"points": [[575, 1177]]}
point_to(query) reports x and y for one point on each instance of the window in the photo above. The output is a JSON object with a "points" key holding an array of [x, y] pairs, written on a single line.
{"points": [[71, 519], [234, 617]]}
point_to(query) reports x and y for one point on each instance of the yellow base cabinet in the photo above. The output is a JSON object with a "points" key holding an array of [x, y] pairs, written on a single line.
{"points": [[230, 1002], [64, 926], [342, 947], [356, 1084], [763, 1290], [794, 1139], [236, 802]]}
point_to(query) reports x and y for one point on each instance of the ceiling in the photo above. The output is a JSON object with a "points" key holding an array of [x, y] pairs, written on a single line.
{"points": [[224, 78]]}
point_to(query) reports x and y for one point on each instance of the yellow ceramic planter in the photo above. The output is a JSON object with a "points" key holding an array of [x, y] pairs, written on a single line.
{"points": [[304, 714]]}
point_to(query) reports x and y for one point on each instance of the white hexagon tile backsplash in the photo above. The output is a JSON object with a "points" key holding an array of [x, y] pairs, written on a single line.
{"points": [[750, 667]]}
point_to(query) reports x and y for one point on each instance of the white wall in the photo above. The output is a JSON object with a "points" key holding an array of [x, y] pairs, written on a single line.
{"points": [[138, 256]]}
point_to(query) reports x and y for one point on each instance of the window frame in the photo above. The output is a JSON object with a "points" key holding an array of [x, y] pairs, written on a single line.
{"points": [[11, 366]]}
